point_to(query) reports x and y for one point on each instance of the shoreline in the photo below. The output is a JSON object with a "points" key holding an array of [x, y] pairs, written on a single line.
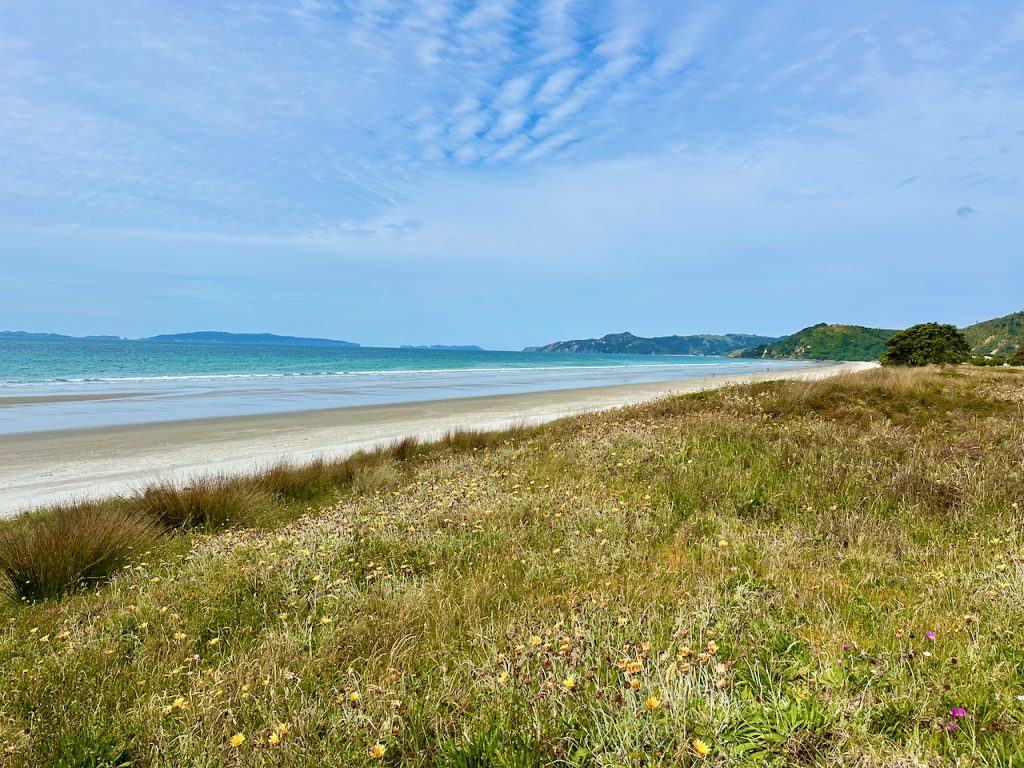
{"points": [[44, 468]]}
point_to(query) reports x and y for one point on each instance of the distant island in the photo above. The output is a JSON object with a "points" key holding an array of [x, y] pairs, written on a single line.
{"points": [[627, 343], [194, 337], [269, 339], [28, 336], [449, 347]]}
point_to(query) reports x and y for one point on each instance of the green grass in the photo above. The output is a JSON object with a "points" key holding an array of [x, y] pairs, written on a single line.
{"points": [[755, 569]]}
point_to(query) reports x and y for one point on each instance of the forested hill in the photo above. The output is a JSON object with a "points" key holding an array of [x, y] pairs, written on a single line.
{"points": [[825, 342], [1000, 336]]}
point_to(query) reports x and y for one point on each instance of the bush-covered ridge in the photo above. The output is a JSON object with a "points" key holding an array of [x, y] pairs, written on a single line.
{"points": [[820, 573], [1001, 336], [826, 342]]}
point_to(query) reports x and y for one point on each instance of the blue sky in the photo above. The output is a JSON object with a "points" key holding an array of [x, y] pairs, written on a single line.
{"points": [[508, 173]]}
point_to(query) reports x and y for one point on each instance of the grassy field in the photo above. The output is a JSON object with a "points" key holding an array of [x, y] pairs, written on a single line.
{"points": [[825, 573]]}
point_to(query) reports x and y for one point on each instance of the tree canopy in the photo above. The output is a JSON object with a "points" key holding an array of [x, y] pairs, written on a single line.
{"points": [[1017, 358], [926, 344]]}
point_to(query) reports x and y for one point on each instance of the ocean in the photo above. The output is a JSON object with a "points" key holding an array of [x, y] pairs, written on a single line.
{"points": [[53, 385]]}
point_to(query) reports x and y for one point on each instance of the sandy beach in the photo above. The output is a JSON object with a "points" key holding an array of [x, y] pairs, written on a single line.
{"points": [[42, 468]]}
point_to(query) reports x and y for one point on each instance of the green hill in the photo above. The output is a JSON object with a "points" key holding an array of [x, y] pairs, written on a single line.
{"points": [[825, 342], [627, 343], [1000, 336]]}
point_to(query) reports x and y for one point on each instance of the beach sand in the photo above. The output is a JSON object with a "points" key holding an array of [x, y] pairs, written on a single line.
{"points": [[42, 468]]}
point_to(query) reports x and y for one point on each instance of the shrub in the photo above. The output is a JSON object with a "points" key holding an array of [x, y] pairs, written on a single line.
{"points": [[47, 554], [926, 344], [1017, 358], [994, 361]]}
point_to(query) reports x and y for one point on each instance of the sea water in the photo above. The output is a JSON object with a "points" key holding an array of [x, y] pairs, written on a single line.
{"points": [[65, 384]]}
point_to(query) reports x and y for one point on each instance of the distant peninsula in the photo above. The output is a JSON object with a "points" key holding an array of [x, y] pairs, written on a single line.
{"points": [[448, 347], [628, 344]]}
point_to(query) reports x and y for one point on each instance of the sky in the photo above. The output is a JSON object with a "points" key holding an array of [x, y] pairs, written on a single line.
{"points": [[505, 172]]}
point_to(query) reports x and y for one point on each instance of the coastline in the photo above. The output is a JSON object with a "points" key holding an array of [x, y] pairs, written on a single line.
{"points": [[44, 468]]}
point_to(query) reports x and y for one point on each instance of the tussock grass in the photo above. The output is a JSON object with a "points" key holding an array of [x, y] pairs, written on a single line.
{"points": [[47, 554], [208, 504], [802, 573]]}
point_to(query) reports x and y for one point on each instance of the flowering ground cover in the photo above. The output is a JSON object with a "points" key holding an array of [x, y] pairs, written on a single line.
{"points": [[825, 573]]}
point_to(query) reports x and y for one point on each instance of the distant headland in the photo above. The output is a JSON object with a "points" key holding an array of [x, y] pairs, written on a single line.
{"points": [[997, 337]]}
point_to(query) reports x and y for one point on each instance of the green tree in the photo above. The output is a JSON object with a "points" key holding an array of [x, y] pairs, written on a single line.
{"points": [[926, 344], [1017, 358]]}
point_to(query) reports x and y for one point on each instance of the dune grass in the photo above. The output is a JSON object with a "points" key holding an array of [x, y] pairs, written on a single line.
{"points": [[48, 554], [799, 573], [69, 548]]}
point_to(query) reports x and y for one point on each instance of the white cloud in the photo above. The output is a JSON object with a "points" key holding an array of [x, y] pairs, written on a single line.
{"points": [[509, 122], [556, 84]]}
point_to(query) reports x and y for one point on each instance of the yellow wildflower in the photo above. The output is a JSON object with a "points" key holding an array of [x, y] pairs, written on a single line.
{"points": [[702, 749], [377, 751], [652, 703], [237, 739], [569, 683]]}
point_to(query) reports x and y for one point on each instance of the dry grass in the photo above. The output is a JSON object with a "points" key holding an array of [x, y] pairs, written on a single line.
{"points": [[47, 554], [209, 504]]}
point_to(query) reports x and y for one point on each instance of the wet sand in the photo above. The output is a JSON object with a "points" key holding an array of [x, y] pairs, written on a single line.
{"points": [[44, 399], [42, 468]]}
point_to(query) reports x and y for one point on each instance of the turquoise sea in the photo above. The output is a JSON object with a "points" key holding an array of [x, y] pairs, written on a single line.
{"points": [[49, 385]]}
